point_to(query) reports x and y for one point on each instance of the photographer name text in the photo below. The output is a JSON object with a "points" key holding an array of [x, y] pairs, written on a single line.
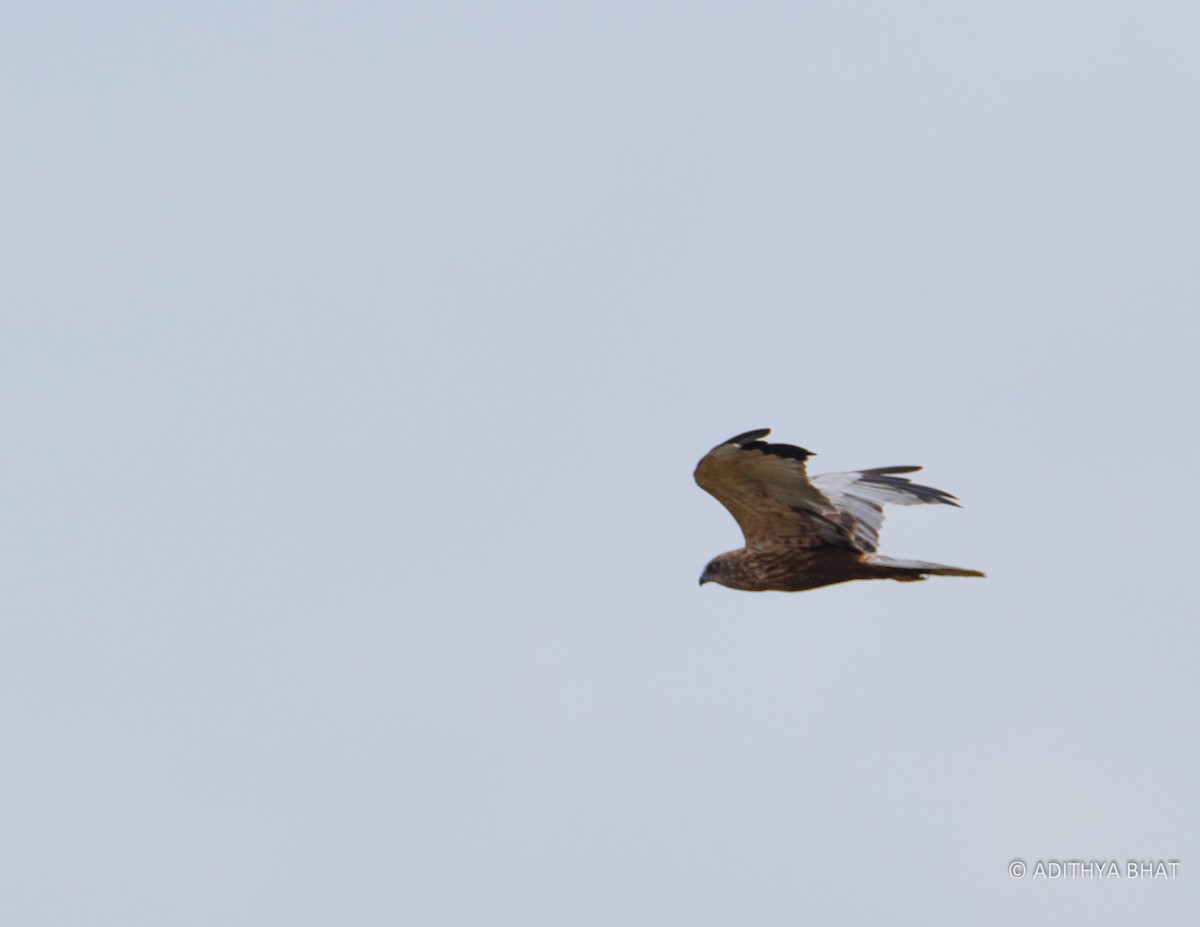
{"points": [[1094, 869]]}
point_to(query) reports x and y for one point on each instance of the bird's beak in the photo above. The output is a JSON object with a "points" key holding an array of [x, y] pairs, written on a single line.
{"points": [[703, 580]]}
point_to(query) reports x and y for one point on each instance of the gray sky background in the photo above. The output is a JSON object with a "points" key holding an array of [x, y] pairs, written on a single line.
{"points": [[355, 361]]}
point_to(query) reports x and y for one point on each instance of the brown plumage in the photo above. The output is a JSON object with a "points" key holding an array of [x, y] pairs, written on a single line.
{"points": [[803, 533]]}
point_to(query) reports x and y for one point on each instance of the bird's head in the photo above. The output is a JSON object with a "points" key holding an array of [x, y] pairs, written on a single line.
{"points": [[720, 569]]}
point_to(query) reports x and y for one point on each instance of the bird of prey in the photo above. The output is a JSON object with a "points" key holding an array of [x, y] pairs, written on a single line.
{"points": [[802, 533]]}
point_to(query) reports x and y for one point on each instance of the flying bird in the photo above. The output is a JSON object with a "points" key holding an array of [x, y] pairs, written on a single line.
{"points": [[803, 533]]}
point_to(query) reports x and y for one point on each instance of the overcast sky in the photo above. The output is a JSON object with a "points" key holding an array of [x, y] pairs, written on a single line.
{"points": [[355, 360]]}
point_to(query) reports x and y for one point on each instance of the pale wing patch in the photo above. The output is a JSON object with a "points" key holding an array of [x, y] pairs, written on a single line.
{"points": [[861, 495]]}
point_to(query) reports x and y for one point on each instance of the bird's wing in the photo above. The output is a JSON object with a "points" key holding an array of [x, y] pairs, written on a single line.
{"points": [[766, 489], [860, 497]]}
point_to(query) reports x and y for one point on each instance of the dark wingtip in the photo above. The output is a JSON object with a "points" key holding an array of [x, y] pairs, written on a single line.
{"points": [[749, 441], [749, 436], [881, 475], [780, 450]]}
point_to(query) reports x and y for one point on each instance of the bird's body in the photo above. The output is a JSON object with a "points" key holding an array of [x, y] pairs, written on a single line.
{"points": [[784, 569], [805, 533]]}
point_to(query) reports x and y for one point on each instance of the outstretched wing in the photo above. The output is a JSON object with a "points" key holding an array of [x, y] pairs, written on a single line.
{"points": [[860, 497], [767, 490]]}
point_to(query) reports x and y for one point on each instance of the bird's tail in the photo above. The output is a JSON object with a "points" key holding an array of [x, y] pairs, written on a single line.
{"points": [[913, 570]]}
